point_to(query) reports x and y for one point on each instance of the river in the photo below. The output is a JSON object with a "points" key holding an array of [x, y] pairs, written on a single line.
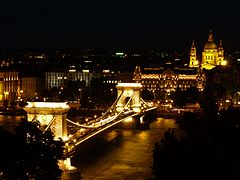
{"points": [[121, 154], [127, 154]]}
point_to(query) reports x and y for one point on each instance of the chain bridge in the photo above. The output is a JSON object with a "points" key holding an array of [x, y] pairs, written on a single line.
{"points": [[127, 106]]}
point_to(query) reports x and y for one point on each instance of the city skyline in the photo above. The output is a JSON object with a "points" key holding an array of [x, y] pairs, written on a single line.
{"points": [[118, 24]]}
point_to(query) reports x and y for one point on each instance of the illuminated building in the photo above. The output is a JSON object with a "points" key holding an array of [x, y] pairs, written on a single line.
{"points": [[60, 78], [6, 63], [9, 85], [193, 56], [161, 80], [212, 55], [109, 78]]}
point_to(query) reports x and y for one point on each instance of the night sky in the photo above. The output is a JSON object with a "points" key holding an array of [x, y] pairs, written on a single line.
{"points": [[117, 23]]}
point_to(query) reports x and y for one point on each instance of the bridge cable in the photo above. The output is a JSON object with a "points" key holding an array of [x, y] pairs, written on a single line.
{"points": [[49, 124], [144, 102], [112, 106], [105, 113], [78, 124], [125, 105]]}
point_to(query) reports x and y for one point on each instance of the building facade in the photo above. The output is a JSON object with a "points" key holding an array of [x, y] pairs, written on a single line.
{"points": [[9, 85], [31, 87], [60, 78], [166, 80], [212, 55]]}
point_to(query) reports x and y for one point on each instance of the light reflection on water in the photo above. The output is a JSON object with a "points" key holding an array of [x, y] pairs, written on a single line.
{"points": [[10, 122], [4, 119], [127, 156], [120, 154]]}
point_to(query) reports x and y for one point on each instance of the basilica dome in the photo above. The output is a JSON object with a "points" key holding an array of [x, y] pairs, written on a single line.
{"points": [[210, 45]]}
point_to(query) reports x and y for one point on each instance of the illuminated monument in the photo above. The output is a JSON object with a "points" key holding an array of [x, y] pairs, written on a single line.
{"points": [[166, 80], [212, 55]]}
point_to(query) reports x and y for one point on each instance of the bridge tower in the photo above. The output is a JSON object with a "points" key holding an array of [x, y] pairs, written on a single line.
{"points": [[129, 91], [52, 115]]}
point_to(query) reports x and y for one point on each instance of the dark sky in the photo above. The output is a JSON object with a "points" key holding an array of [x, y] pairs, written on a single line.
{"points": [[117, 23]]}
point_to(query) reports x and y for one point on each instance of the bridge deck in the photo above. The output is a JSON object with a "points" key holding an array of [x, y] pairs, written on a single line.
{"points": [[88, 131]]}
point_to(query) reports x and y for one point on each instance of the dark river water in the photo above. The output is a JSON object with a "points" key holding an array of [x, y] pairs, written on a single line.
{"points": [[116, 155], [124, 154]]}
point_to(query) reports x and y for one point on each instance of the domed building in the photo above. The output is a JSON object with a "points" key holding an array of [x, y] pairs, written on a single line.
{"points": [[212, 54]]}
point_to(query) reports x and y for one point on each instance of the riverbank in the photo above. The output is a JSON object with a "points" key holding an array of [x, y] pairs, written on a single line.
{"points": [[175, 113], [12, 111]]}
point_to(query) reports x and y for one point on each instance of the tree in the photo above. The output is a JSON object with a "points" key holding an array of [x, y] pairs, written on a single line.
{"points": [[28, 153], [147, 95], [192, 95], [179, 98], [208, 148], [209, 100]]}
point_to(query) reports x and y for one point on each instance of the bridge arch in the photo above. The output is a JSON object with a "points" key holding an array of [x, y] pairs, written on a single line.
{"points": [[129, 92]]}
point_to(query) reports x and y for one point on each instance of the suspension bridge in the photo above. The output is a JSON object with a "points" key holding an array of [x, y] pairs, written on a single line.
{"points": [[127, 106]]}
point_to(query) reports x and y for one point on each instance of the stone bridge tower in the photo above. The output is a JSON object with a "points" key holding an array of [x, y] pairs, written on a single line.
{"points": [[127, 91], [51, 115]]}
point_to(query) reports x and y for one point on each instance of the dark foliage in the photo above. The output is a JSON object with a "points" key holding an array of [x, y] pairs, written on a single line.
{"points": [[210, 148], [182, 97], [29, 153], [147, 95]]}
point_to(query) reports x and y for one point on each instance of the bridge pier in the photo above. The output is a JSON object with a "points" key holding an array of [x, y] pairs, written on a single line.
{"points": [[141, 120], [51, 115], [66, 165]]}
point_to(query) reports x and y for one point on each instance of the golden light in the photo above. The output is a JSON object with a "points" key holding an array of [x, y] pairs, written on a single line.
{"points": [[129, 85], [48, 105], [224, 63], [128, 119], [82, 130], [141, 119]]}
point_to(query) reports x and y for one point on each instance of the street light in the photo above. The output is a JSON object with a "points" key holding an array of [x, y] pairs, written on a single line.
{"points": [[224, 63]]}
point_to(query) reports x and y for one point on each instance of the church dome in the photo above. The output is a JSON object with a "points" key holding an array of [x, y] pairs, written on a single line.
{"points": [[210, 45]]}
